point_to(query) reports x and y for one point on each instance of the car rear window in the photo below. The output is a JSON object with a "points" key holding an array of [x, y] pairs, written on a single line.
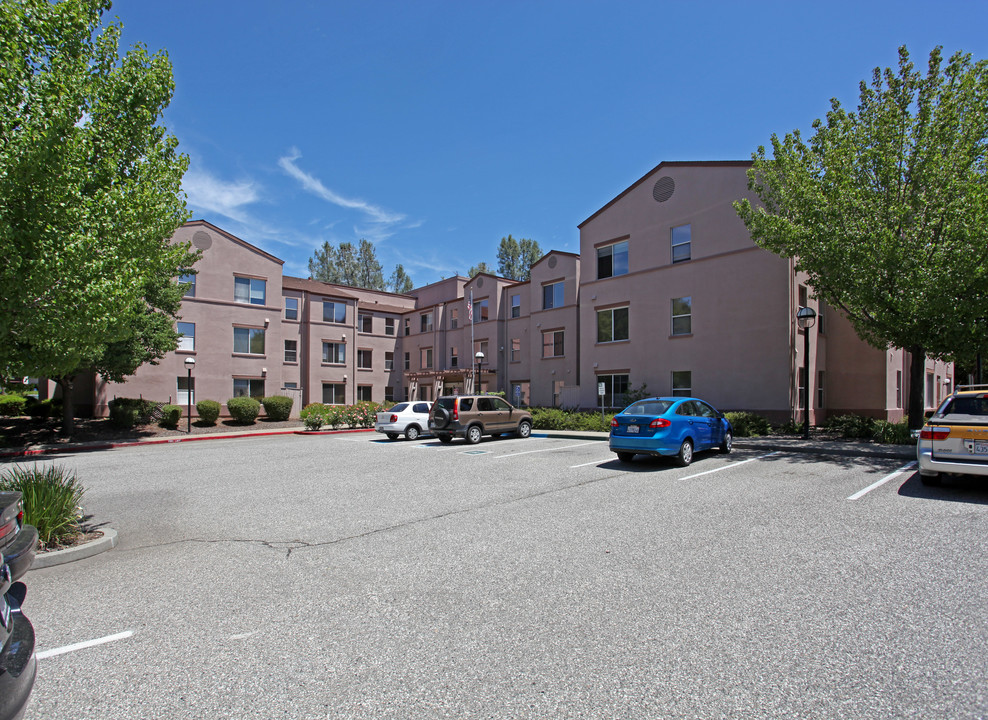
{"points": [[966, 405], [399, 407], [421, 408], [648, 407], [446, 402]]}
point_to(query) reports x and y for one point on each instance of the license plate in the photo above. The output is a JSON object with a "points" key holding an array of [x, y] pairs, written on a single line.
{"points": [[632, 429], [981, 447]]}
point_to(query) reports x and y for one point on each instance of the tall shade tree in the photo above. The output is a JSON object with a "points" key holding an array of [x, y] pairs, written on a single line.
{"points": [[347, 265], [516, 257], [400, 282], [886, 210], [477, 269], [91, 193]]}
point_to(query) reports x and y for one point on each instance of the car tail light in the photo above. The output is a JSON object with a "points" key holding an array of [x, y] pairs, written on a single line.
{"points": [[394, 419], [934, 433], [455, 413], [659, 423], [7, 529], [614, 422]]}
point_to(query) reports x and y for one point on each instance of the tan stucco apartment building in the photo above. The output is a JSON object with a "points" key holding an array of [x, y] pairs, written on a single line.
{"points": [[668, 292]]}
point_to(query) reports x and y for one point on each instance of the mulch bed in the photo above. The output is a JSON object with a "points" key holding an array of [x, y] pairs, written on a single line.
{"points": [[25, 432]]}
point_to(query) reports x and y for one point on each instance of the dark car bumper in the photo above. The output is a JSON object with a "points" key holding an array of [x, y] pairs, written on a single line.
{"points": [[20, 554], [18, 663]]}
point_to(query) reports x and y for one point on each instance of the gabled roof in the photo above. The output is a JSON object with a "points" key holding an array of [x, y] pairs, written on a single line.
{"points": [[234, 239], [665, 164]]}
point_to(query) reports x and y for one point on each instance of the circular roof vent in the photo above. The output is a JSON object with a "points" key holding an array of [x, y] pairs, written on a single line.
{"points": [[552, 262], [202, 240], [664, 188], [480, 282]]}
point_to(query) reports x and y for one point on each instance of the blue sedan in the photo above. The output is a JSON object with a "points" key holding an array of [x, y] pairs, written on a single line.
{"points": [[669, 426]]}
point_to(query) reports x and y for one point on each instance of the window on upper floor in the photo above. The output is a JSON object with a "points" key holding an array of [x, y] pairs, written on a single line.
{"points": [[454, 357], [408, 324], [612, 260], [249, 290], [291, 308], [187, 335], [389, 326], [408, 361], [365, 359], [681, 243], [552, 295], [482, 310], [291, 351], [682, 316], [612, 325], [515, 349], [552, 343], [425, 358], [334, 353], [248, 340], [334, 312], [389, 361], [365, 323], [454, 318], [425, 322], [515, 306], [190, 280]]}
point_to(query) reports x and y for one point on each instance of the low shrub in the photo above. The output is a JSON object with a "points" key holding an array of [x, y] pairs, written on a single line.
{"points": [[128, 412], [209, 411], [41, 409], [559, 419], [893, 433], [12, 405], [790, 427], [170, 415], [851, 427], [313, 415], [277, 407], [244, 409], [748, 424], [51, 500]]}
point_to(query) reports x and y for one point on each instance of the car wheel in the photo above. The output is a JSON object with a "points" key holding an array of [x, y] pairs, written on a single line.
{"points": [[412, 432], [392, 436], [473, 434], [625, 456], [524, 429], [441, 417], [445, 439], [728, 442], [932, 480], [685, 455]]}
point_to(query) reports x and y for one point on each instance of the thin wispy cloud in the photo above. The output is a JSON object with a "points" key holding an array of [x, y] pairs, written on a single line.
{"points": [[313, 185], [210, 194]]}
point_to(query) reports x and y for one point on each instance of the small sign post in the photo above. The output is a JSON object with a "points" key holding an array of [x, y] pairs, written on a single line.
{"points": [[600, 393]]}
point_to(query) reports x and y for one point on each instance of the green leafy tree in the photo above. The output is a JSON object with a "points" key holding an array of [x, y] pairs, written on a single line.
{"points": [[516, 257], [477, 269], [322, 265], [886, 210], [91, 189], [369, 272], [347, 265], [400, 282]]}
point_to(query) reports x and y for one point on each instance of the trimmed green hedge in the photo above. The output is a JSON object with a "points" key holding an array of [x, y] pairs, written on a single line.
{"points": [[244, 409], [170, 415], [12, 405], [559, 419], [209, 411], [748, 424], [277, 407]]}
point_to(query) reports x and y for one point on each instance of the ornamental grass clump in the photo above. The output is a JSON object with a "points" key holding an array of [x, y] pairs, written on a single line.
{"points": [[51, 501]]}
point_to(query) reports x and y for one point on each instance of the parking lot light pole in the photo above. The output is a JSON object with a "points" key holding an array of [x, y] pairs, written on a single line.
{"points": [[480, 363], [805, 319], [190, 362]]}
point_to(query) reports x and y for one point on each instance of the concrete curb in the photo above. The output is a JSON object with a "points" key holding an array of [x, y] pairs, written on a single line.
{"points": [[79, 552]]}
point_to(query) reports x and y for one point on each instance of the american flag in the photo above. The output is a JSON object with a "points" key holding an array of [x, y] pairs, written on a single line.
{"points": [[470, 309]]}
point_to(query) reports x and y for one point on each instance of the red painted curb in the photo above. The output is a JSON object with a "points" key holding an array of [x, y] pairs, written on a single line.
{"points": [[165, 441]]}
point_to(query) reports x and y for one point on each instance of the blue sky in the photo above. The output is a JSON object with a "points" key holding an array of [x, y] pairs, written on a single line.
{"points": [[434, 129]]}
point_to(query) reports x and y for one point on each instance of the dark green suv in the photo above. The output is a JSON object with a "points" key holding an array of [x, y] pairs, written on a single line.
{"points": [[473, 416]]}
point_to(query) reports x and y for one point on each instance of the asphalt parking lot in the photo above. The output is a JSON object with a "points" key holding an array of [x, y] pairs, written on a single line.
{"points": [[345, 576]]}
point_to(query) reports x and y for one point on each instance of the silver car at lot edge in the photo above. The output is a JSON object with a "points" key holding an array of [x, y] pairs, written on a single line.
{"points": [[410, 419]]}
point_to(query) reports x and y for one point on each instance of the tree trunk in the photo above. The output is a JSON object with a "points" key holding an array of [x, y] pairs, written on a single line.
{"points": [[917, 374], [68, 408]]}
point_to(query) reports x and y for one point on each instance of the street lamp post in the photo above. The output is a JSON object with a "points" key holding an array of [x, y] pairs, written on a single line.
{"points": [[190, 362], [480, 363], [805, 318]]}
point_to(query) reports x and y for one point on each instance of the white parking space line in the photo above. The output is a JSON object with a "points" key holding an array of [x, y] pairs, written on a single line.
{"points": [[732, 465], [595, 462], [862, 493], [83, 645], [552, 449]]}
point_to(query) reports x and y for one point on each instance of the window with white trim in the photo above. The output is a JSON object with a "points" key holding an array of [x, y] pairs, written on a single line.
{"points": [[365, 359], [248, 340], [182, 394], [681, 241], [334, 393], [190, 280], [612, 324], [612, 260], [291, 308], [291, 351], [334, 312], [249, 290], [552, 295], [552, 343], [248, 387], [682, 383], [516, 306], [682, 316], [186, 336], [334, 353]]}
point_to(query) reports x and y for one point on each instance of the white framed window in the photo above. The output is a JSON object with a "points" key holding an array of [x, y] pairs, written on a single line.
{"points": [[515, 349], [682, 383], [249, 290], [481, 308], [248, 387], [190, 280], [185, 392], [186, 336], [334, 312], [365, 359], [248, 340], [334, 393], [552, 343], [552, 295], [291, 351], [334, 353], [612, 260], [365, 323], [454, 318], [612, 324], [425, 358], [681, 241], [682, 316], [389, 361], [389, 326], [291, 308], [425, 322], [516, 306]]}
